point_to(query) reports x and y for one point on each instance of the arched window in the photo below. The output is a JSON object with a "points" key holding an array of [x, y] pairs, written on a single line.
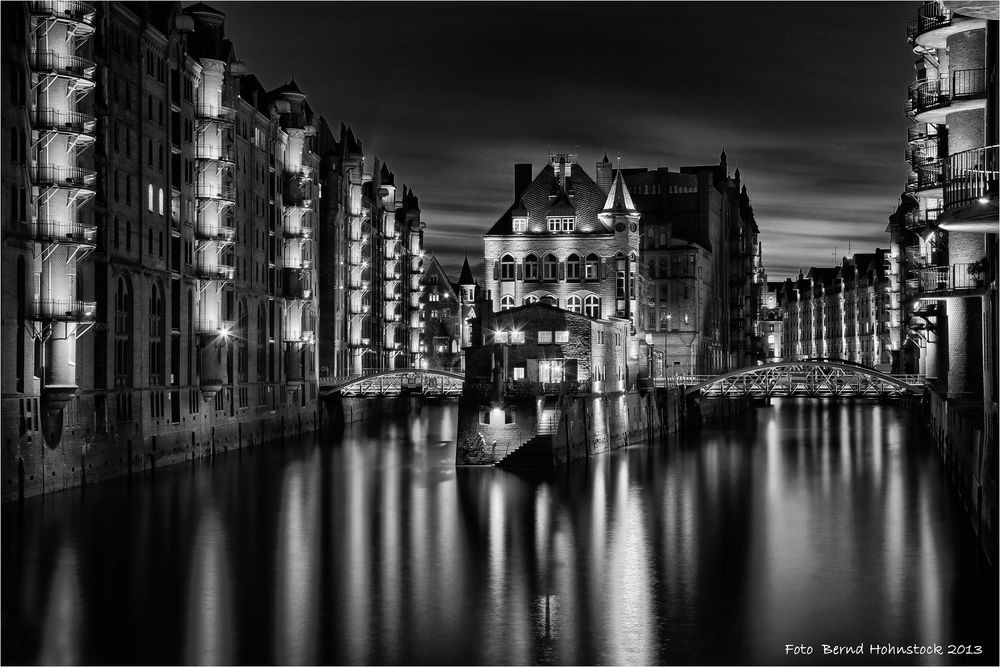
{"points": [[573, 268], [550, 300], [150, 202], [550, 268], [531, 298], [123, 332], [531, 268], [157, 332], [592, 306], [506, 268], [241, 328], [261, 342], [591, 266], [574, 304], [506, 302]]}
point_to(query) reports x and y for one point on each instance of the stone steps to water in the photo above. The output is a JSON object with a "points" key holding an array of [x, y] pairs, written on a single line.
{"points": [[535, 453]]}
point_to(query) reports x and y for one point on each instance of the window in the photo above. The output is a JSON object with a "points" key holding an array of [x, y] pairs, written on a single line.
{"points": [[590, 268], [161, 201], [574, 304], [517, 337], [157, 330], [500, 337], [520, 224], [550, 268], [531, 268], [573, 267], [550, 370], [553, 224], [531, 298], [592, 306], [150, 197], [506, 302], [562, 336], [506, 268], [568, 224], [544, 337]]}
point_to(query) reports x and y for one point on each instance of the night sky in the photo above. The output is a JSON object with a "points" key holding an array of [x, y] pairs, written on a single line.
{"points": [[806, 98]]}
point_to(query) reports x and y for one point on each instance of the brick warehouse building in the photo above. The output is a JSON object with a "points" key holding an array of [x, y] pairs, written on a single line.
{"points": [[685, 245], [161, 221]]}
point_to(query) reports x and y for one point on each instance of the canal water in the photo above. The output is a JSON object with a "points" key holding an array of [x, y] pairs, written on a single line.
{"points": [[803, 523]]}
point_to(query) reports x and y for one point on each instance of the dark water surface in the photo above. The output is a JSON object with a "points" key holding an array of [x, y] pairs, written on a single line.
{"points": [[802, 523]]}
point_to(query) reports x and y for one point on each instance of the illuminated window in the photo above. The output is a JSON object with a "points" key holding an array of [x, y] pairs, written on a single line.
{"points": [[518, 372], [161, 201], [590, 267], [531, 298], [544, 337], [517, 336], [554, 224], [506, 302], [574, 304], [562, 336], [520, 224], [568, 224], [551, 370], [500, 337], [592, 306], [150, 198]]}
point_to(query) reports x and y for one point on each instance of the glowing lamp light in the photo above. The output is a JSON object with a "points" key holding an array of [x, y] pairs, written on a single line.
{"points": [[983, 200]]}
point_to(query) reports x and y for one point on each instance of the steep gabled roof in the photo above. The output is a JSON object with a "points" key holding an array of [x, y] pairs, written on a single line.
{"points": [[465, 278], [582, 192]]}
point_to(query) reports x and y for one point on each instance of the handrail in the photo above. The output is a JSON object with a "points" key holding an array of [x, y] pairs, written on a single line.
{"points": [[59, 119], [63, 63], [61, 175], [61, 231], [66, 310], [82, 12], [971, 175]]}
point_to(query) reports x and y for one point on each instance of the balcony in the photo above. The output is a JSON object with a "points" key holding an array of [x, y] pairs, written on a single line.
{"points": [[221, 193], [215, 114], [355, 283], [62, 176], [922, 219], [58, 120], [949, 280], [58, 310], [297, 264], [60, 231], [214, 272], [67, 10], [297, 231], [931, 100], [217, 153], [919, 132], [208, 232], [61, 64], [291, 336], [971, 177], [930, 16], [211, 327], [298, 292], [925, 176], [360, 344]]}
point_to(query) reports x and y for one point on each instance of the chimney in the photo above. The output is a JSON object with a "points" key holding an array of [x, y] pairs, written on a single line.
{"points": [[522, 179]]}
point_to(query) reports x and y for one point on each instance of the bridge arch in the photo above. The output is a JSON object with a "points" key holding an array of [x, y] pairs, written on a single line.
{"points": [[807, 379], [435, 382]]}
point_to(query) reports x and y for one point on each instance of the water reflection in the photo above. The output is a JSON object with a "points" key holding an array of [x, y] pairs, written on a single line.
{"points": [[799, 523]]}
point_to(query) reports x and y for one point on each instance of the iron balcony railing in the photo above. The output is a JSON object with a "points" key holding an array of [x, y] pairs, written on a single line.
{"points": [[214, 272], [954, 277], [297, 231], [217, 192], [356, 283], [297, 264], [214, 113], [928, 94], [60, 231], [63, 64], [291, 336], [212, 326], [916, 220], [63, 176], [45, 118], [209, 232], [217, 152], [64, 310], [930, 16], [922, 152], [925, 176], [918, 132], [971, 175], [82, 12]]}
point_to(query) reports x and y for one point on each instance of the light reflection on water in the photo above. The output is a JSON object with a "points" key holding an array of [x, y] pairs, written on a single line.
{"points": [[800, 523]]}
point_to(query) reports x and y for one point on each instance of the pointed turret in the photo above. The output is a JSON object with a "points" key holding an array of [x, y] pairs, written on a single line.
{"points": [[619, 201], [465, 278]]}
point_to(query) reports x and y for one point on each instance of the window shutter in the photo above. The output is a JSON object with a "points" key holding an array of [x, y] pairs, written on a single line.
{"points": [[562, 270], [496, 269], [520, 272]]}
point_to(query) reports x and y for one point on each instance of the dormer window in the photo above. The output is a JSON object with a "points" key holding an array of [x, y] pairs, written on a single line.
{"points": [[561, 224], [520, 224]]}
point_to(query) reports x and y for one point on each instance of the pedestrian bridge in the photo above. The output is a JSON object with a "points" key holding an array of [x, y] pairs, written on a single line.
{"points": [[401, 381], [808, 379]]}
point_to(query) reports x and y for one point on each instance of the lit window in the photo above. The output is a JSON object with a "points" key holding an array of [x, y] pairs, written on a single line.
{"points": [[554, 224], [161, 201], [518, 372], [506, 302], [520, 224], [568, 224], [562, 336], [500, 337], [517, 336], [592, 306], [544, 337], [150, 197], [531, 298], [573, 267], [574, 304], [590, 267], [531, 268]]}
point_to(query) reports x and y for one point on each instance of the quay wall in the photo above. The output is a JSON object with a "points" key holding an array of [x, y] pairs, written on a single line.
{"points": [[969, 454], [32, 467]]}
